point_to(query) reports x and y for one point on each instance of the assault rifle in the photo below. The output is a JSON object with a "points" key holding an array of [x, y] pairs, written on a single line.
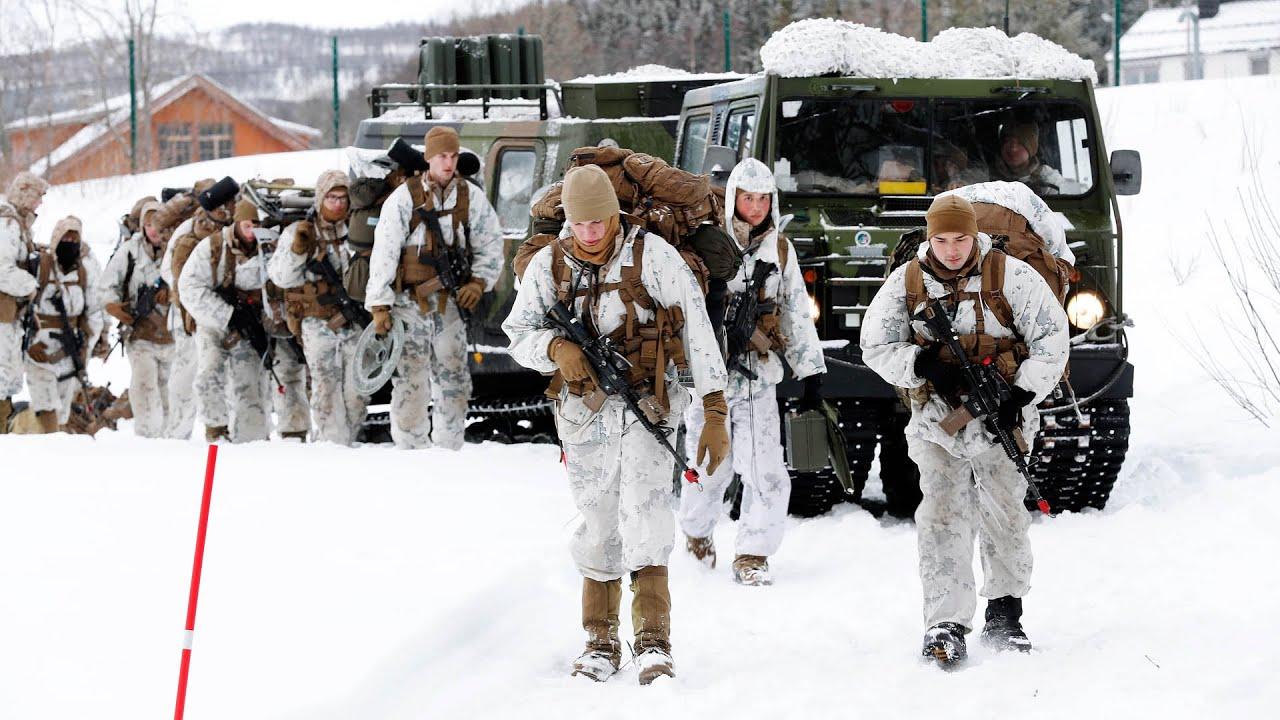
{"points": [[246, 319], [453, 267], [745, 308], [353, 311], [611, 371], [72, 345], [29, 315], [145, 304], [987, 390]]}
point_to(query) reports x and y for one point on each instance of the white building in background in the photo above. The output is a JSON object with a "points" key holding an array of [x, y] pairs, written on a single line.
{"points": [[1242, 39]]}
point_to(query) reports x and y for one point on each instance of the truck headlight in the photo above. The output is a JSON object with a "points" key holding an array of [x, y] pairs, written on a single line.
{"points": [[814, 309], [1085, 308]]}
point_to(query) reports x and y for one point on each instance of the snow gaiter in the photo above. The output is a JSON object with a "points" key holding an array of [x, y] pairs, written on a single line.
{"points": [[601, 602], [651, 608]]}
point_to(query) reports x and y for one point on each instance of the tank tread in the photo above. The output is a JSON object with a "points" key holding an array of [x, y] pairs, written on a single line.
{"points": [[1077, 461]]}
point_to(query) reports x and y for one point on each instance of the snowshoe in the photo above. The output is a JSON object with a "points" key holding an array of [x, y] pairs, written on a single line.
{"points": [[751, 570], [944, 642], [654, 663], [702, 549], [1003, 629]]}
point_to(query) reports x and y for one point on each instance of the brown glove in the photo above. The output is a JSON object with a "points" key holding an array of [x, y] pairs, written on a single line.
{"points": [[162, 296], [713, 443], [569, 358], [304, 239], [381, 319], [117, 311], [469, 294]]}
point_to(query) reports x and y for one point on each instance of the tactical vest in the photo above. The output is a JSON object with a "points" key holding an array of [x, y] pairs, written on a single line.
{"points": [[314, 298], [768, 336], [154, 327], [11, 307], [647, 346], [1007, 352], [39, 351], [415, 272]]}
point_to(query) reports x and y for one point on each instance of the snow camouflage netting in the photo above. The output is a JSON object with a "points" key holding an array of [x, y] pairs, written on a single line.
{"points": [[821, 46]]}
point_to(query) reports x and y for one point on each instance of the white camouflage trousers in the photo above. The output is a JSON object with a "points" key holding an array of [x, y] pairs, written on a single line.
{"points": [[182, 378], [149, 378], [11, 364], [231, 387], [293, 414], [965, 499], [432, 371], [620, 479], [755, 455], [50, 393], [339, 410]]}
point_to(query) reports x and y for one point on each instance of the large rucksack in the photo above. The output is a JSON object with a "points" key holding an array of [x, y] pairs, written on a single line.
{"points": [[665, 200]]}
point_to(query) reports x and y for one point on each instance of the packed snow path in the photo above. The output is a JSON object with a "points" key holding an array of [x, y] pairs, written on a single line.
{"points": [[372, 583]]}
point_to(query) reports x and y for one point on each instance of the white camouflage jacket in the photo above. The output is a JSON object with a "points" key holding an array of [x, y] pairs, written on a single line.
{"points": [[87, 303], [15, 247], [668, 280], [288, 269], [197, 283], [392, 236], [146, 271], [887, 346]]}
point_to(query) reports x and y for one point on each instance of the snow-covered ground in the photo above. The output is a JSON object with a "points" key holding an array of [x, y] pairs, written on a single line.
{"points": [[372, 583]]}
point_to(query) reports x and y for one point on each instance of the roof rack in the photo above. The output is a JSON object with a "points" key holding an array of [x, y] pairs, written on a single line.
{"points": [[429, 95]]}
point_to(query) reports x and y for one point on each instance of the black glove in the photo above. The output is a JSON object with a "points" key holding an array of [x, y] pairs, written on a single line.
{"points": [[930, 367], [1009, 415], [812, 397], [241, 318]]}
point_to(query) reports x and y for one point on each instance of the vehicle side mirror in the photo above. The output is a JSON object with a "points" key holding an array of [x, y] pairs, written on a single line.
{"points": [[718, 163], [1126, 171]]}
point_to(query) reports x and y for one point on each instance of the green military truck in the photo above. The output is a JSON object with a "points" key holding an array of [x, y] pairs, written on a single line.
{"points": [[857, 161], [523, 129]]}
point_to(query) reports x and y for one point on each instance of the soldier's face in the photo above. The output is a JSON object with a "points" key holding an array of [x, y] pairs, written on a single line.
{"points": [[153, 235], [752, 207], [589, 234], [442, 167], [952, 248], [244, 229], [1013, 153], [335, 202]]}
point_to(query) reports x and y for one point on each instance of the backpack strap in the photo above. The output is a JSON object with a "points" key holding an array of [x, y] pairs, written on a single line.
{"points": [[420, 199], [782, 253], [914, 281], [993, 288], [462, 213]]}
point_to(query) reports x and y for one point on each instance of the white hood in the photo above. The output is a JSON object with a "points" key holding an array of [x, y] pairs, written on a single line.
{"points": [[753, 176]]}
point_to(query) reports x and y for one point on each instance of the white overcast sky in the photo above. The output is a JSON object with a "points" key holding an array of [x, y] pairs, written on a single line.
{"points": [[183, 16]]}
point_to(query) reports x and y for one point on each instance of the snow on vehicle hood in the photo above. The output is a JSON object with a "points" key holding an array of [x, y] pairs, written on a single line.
{"points": [[822, 46]]}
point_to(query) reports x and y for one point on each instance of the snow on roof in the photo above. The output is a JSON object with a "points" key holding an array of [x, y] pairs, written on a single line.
{"points": [[162, 94], [472, 110], [1238, 26], [94, 112], [654, 73], [822, 46]]}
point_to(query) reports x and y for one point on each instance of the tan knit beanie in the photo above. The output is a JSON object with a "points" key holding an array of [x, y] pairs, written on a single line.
{"points": [[440, 139], [26, 189], [588, 195], [245, 210], [1027, 135], [951, 213]]}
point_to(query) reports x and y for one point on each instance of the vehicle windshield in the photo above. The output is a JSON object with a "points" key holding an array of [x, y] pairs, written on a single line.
{"points": [[877, 146]]}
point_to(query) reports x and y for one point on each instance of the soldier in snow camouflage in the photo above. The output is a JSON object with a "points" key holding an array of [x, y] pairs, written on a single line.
{"points": [[134, 269], [230, 377], [752, 217], [17, 282], [433, 368], [619, 474], [969, 486], [328, 340]]}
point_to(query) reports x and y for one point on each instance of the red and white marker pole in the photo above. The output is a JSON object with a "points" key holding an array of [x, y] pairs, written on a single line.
{"points": [[195, 583]]}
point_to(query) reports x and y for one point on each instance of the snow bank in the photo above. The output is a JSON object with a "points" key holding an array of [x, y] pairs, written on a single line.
{"points": [[822, 46]]}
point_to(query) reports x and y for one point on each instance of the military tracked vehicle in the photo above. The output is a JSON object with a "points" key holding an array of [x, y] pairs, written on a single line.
{"points": [[858, 161], [491, 89]]}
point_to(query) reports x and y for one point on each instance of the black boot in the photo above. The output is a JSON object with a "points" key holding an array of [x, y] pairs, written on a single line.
{"points": [[944, 642], [1003, 630]]}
